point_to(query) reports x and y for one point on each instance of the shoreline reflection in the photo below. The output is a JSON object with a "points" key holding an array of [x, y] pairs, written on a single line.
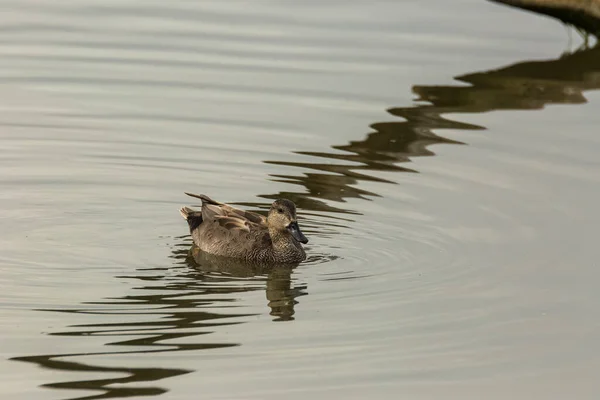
{"points": [[527, 85]]}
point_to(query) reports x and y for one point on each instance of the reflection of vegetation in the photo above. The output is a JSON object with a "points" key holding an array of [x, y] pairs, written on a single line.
{"points": [[107, 386], [391, 143], [174, 306], [523, 86], [582, 14]]}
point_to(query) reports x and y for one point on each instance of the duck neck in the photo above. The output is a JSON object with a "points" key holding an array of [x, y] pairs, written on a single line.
{"points": [[284, 247], [283, 240], [278, 237]]}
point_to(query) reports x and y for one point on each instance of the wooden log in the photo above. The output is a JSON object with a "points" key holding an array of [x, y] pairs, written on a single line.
{"points": [[583, 14]]}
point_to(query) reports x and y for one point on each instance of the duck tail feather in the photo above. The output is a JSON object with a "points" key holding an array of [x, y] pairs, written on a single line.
{"points": [[204, 198], [185, 212], [193, 218]]}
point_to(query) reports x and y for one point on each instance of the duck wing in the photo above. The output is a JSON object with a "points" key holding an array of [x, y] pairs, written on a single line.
{"points": [[229, 220], [212, 209], [235, 224]]}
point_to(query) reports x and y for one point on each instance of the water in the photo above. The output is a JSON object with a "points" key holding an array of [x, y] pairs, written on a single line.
{"points": [[445, 169]]}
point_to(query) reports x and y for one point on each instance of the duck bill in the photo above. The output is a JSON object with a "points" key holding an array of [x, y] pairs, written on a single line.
{"points": [[297, 233]]}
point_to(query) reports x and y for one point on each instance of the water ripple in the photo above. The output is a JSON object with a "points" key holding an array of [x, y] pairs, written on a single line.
{"points": [[415, 275]]}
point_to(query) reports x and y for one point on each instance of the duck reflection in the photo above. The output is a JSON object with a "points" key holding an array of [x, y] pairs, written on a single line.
{"points": [[527, 85], [280, 292]]}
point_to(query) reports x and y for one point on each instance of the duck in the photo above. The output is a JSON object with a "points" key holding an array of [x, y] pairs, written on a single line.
{"points": [[222, 230]]}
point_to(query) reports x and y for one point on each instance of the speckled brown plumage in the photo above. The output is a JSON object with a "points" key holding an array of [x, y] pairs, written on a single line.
{"points": [[223, 230]]}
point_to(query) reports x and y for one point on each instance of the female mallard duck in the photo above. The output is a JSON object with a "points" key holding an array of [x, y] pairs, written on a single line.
{"points": [[227, 231]]}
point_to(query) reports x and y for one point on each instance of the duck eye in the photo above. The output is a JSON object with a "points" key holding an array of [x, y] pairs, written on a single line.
{"points": [[280, 210]]}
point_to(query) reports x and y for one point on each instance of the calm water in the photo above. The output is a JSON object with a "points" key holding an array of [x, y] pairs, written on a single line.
{"points": [[445, 164]]}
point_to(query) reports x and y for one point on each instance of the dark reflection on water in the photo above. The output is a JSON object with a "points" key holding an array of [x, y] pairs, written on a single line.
{"points": [[194, 282], [522, 86], [528, 85], [178, 311], [391, 143], [105, 385]]}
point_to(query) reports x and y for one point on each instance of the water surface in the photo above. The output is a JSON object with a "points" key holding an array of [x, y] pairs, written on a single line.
{"points": [[445, 169]]}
